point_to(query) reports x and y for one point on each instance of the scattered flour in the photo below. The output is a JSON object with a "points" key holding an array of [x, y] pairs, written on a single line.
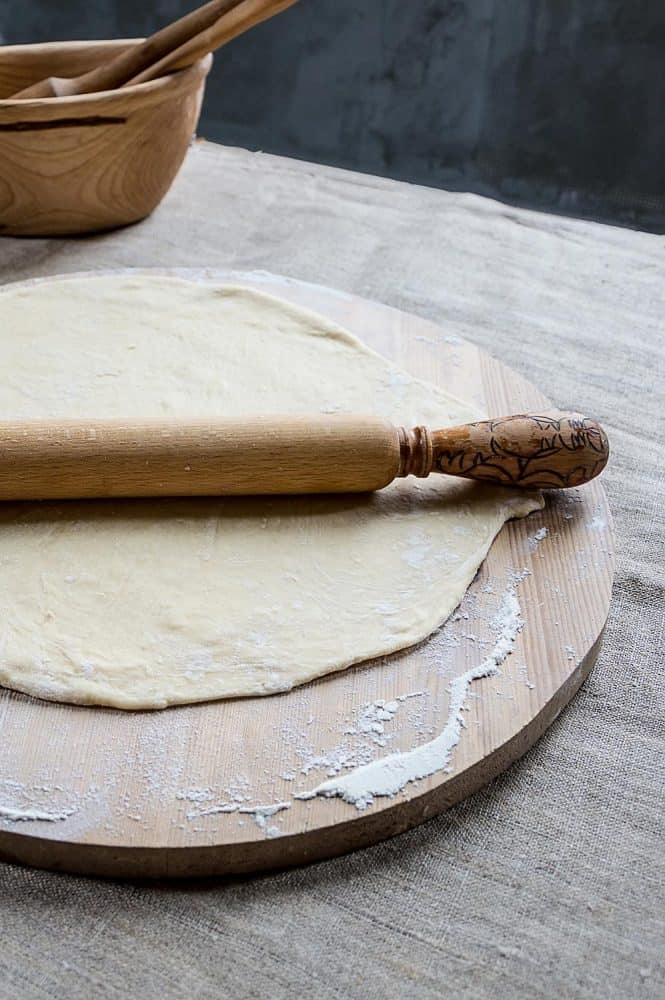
{"points": [[37, 803], [364, 732], [260, 814], [371, 718], [389, 775], [195, 794], [24, 815], [536, 538]]}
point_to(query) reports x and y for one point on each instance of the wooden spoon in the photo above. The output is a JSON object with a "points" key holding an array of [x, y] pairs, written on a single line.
{"points": [[174, 47], [262, 455]]}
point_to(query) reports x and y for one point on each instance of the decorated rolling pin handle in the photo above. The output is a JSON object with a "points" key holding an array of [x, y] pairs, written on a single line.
{"points": [[263, 455], [551, 450]]}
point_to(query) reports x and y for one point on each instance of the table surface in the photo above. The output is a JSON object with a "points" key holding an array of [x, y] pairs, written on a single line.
{"points": [[550, 881]]}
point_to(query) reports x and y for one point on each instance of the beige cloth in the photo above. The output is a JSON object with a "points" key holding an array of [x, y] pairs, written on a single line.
{"points": [[549, 883]]}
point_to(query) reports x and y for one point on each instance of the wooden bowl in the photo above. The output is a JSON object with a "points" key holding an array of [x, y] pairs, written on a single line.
{"points": [[81, 164]]}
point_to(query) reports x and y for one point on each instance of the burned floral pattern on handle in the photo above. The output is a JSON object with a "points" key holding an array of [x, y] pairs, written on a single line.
{"points": [[540, 468]]}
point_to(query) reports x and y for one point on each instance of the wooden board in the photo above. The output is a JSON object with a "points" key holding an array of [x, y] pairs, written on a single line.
{"points": [[137, 792]]}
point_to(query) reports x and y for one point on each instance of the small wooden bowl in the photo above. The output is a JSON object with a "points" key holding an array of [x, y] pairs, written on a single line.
{"points": [[82, 164]]}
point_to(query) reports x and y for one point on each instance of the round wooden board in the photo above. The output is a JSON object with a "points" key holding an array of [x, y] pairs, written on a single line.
{"points": [[138, 791]]}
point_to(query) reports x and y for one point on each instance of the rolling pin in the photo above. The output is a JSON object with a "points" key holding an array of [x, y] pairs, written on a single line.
{"points": [[55, 459]]}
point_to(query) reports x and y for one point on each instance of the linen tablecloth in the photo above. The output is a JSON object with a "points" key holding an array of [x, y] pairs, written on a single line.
{"points": [[550, 881]]}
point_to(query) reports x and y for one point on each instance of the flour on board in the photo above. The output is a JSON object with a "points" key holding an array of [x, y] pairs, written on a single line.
{"points": [[389, 775]]}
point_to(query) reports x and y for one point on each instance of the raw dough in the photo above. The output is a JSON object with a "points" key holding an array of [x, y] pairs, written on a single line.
{"points": [[143, 604]]}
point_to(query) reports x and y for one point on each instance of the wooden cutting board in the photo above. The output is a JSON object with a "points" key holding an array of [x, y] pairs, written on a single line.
{"points": [[175, 792]]}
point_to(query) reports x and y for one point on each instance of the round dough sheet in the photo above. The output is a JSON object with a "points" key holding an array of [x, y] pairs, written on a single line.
{"points": [[143, 604]]}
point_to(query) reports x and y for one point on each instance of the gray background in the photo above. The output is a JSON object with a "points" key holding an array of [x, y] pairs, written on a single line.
{"points": [[555, 104]]}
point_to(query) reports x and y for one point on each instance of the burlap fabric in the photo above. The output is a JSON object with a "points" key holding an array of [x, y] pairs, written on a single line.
{"points": [[549, 883]]}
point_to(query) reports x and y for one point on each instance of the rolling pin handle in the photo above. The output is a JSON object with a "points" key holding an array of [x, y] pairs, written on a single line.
{"points": [[550, 450]]}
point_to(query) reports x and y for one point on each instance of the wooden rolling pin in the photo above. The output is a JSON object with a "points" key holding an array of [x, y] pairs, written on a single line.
{"points": [[334, 454]]}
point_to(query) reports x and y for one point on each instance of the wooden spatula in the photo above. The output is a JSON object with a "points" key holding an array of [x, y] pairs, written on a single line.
{"points": [[215, 457], [174, 47]]}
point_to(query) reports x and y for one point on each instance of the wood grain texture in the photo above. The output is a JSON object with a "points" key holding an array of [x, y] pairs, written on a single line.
{"points": [[224, 457], [95, 161], [142, 787]]}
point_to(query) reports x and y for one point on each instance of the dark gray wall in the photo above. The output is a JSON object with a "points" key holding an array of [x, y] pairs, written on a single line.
{"points": [[553, 103]]}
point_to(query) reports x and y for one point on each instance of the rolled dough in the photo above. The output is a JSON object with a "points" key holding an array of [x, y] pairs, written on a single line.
{"points": [[143, 604]]}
